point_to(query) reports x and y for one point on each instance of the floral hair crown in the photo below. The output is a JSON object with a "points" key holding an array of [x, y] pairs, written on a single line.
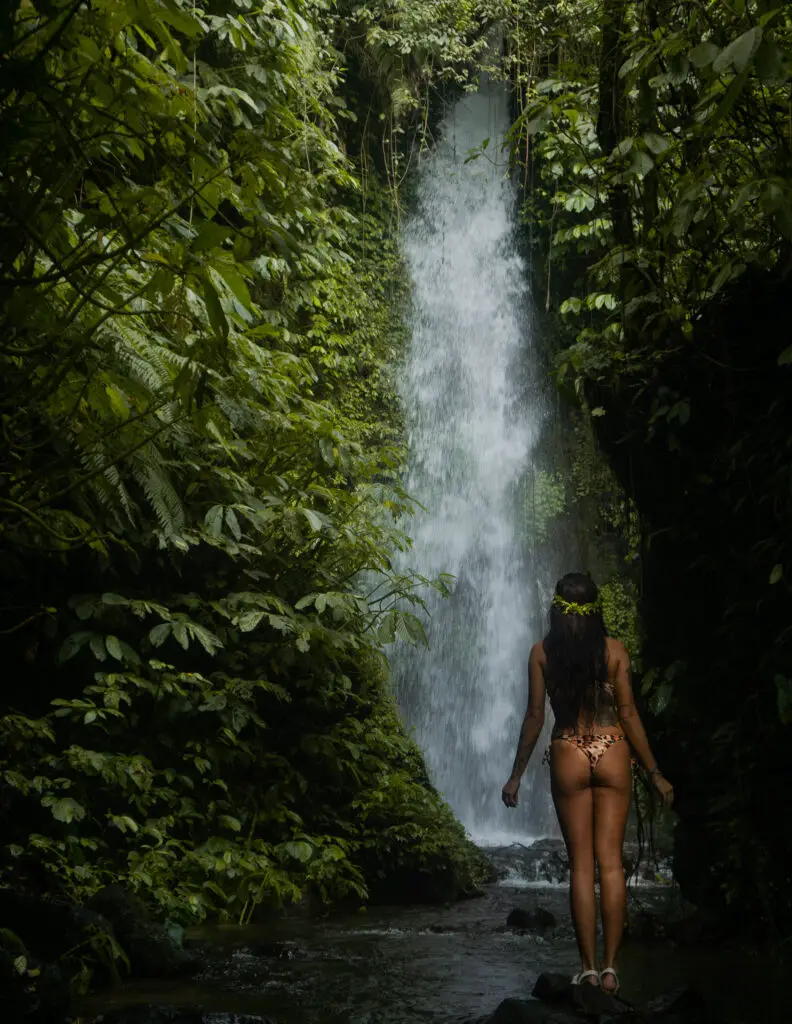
{"points": [[571, 608]]}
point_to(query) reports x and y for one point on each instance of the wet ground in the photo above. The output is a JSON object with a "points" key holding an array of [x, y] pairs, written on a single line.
{"points": [[440, 966]]}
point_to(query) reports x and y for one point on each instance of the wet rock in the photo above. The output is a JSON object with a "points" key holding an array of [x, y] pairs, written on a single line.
{"points": [[531, 919], [273, 950], [542, 861], [152, 950], [520, 1011], [592, 1001], [552, 988]]}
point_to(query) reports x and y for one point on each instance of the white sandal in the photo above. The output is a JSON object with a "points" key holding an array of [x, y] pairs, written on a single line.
{"points": [[609, 991], [579, 978]]}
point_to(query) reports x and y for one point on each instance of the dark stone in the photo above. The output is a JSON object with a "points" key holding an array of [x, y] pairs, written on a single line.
{"points": [[273, 950], [521, 1011], [592, 1001], [552, 988], [151, 949], [534, 919]]}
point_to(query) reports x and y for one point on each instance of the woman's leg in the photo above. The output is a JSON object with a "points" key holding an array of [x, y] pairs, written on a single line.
{"points": [[612, 793], [571, 789]]}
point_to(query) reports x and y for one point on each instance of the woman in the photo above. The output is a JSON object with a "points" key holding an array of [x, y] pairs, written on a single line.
{"points": [[586, 674]]}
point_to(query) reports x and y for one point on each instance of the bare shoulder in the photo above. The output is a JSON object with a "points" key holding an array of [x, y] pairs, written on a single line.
{"points": [[617, 652], [538, 653]]}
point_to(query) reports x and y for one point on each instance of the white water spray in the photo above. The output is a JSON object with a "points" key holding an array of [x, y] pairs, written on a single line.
{"points": [[474, 419]]}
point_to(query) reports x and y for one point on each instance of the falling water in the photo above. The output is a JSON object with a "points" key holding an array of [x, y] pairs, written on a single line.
{"points": [[474, 415]]}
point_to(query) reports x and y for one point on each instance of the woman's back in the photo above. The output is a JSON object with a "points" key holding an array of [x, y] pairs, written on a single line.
{"points": [[601, 709]]}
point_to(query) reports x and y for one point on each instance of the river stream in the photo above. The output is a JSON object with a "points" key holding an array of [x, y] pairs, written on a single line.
{"points": [[441, 965]]}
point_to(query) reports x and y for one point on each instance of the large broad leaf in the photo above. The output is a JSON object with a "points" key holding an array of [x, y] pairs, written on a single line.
{"points": [[249, 620], [739, 53], [299, 849], [114, 648], [67, 810], [159, 634], [214, 309], [703, 55]]}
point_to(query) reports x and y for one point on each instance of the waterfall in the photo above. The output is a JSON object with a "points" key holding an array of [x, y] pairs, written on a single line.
{"points": [[474, 412]]}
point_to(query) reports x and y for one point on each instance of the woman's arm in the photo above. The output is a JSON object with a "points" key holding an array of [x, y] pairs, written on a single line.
{"points": [[631, 720], [531, 726]]}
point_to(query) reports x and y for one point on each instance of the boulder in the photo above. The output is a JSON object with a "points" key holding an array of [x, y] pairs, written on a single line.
{"points": [[531, 919], [552, 988], [592, 1001], [521, 1011], [151, 948]]}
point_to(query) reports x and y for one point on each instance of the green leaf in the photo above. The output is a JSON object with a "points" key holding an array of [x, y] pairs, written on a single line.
{"points": [[728, 102], [248, 621], [298, 849], [661, 698], [769, 63], [315, 520], [236, 285], [213, 520], [785, 359], [623, 148], [703, 55], [115, 600], [739, 53], [777, 573], [233, 523], [210, 235], [114, 647], [67, 809], [124, 823], [159, 634], [784, 699], [72, 644], [214, 309], [657, 144], [97, 645], [179, 631]]}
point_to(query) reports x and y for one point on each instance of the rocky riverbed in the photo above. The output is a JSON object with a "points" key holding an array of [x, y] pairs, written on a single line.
{"points": [[458, 964]]}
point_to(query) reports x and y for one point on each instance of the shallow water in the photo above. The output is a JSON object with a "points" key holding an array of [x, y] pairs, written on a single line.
{"points": [[431, 965]]}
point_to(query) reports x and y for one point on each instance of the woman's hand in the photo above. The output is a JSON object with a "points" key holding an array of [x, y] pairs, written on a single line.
{"points": [[509, 794], [664, 788]]}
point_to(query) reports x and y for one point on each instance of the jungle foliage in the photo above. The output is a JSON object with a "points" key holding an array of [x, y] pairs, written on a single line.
{"points": [[200, 300], [655, 149]]}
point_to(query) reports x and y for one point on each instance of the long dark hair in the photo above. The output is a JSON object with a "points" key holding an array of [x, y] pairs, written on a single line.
{"points": [[575, 649]]}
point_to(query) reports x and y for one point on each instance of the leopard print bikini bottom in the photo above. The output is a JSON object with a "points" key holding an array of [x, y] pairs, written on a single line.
{"points": [[593, 746]]}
